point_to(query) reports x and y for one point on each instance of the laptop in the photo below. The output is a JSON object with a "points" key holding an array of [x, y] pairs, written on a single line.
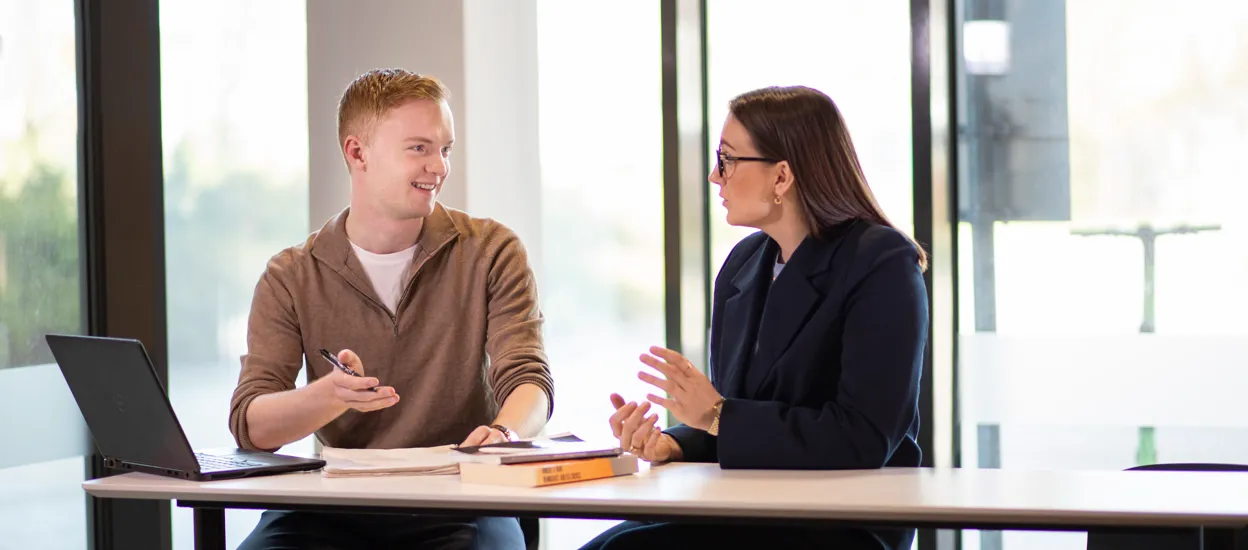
{"points": [[134, 426]]}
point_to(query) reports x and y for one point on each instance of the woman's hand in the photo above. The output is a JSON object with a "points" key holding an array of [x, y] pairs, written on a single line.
{"points": [[690, 396], [638, 433]]}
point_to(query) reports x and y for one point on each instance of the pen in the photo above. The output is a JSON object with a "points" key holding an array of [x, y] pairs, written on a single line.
{"points": [[334, 361]]}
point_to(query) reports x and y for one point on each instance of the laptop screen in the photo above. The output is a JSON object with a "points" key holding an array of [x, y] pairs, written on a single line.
{"points": [[122, 401]]}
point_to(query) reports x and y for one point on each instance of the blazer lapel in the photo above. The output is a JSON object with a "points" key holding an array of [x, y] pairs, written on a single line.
{"points": [[794, 297], [741, 317]]}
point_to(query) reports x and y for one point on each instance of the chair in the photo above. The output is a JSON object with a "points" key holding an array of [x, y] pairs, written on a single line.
{"points": [[1144, 540], [531, 527]]}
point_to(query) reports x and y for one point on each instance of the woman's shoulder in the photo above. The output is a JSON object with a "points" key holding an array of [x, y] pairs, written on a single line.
{"points": [[882, 251], [878, 242], [742, 251], [872, 244]]}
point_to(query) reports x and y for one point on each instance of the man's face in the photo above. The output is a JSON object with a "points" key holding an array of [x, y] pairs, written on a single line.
{"points": [[407, 158]]}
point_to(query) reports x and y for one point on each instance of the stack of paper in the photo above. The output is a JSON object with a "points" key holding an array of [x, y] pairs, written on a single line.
{"points": [[364, 462], [447, 459]]}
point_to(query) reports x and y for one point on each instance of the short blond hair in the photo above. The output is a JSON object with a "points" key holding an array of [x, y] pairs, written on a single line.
{"points": [[371, 95]]}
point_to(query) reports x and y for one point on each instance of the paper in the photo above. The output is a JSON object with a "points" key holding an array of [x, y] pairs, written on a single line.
{"points": [[442, 460], [413, 461]]}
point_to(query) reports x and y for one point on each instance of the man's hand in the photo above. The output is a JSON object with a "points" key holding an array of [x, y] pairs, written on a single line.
{"points": [[275, 419], [353, 391], [484, 435], [638, 433]]}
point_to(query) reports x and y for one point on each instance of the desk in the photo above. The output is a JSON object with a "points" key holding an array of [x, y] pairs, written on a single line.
{"points": [[911, 497]]}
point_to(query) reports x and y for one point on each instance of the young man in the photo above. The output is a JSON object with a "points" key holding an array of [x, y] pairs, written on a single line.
{"points": [[434, 309]]}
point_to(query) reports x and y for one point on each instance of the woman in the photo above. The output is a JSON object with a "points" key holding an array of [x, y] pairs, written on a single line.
{"points": [[817, 336]]}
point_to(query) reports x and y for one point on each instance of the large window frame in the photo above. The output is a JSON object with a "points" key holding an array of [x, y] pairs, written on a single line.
{"points": [[122, 230]]}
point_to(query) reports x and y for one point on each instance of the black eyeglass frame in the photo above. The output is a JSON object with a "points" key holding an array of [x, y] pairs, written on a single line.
{"points": [[720, 158]]}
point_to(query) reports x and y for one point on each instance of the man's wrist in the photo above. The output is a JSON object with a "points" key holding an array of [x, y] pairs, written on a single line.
{"points": [[323, 389], [509, 433]]}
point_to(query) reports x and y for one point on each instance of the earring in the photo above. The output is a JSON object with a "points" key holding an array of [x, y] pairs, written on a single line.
{"points": [[778, 199]]}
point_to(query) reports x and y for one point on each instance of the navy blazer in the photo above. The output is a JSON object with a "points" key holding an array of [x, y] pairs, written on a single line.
{"points": [[833, 382]]}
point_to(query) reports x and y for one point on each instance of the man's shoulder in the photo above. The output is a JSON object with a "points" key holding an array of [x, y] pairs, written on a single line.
{"points": [[479, 233], [291, 260]]}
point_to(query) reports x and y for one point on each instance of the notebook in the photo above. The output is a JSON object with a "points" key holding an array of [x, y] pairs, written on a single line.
{"points": [[539, 450], [366, 462]]}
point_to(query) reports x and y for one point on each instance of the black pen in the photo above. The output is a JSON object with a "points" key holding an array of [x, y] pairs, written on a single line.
{"points": [[334, 361]]}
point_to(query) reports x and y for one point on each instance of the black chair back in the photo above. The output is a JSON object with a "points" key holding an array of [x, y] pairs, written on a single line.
{"points": [[1124, 539], [532, 528]]}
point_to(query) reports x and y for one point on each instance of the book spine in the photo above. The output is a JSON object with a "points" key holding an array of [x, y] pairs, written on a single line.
{"points": [[570, 472]]}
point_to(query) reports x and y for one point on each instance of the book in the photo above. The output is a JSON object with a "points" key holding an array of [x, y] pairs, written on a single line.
{"points": [[540, 450], [543, 474]]}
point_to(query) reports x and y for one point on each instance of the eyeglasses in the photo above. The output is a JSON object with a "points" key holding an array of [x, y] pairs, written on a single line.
{"points": [[721, 159]]}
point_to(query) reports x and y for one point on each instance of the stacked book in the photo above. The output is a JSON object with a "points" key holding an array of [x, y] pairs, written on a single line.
{"points": [[526, 463]]}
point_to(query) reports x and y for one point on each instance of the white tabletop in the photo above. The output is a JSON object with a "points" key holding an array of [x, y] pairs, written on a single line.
{"points": [[909, 496]]}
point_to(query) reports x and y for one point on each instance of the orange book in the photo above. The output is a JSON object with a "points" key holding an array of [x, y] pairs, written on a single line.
{"points": [[542, 474]]}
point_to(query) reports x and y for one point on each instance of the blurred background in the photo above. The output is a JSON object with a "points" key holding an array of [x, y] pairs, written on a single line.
{"points": [[1071, 166]]}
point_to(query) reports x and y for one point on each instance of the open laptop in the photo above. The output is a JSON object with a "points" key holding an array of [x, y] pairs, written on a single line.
{"points": [[133, 424]]}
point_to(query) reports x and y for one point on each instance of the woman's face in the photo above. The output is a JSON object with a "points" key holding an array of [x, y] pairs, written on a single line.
{"points": [[747, 187]]}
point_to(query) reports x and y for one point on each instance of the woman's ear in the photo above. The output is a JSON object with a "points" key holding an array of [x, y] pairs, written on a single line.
{"points": [[784, 178]]}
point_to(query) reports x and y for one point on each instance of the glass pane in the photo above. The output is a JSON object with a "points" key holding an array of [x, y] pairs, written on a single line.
{"points": [[39, 267], [1100, 237], [235, 139], [602, 212], [856, 52], [42, 504]]}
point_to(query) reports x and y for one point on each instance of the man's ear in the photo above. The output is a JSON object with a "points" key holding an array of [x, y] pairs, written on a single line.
{"points": [[784, 178], [353, 150]]}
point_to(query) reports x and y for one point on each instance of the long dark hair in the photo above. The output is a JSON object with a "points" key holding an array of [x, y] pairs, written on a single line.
{"points": [[803, 126]]}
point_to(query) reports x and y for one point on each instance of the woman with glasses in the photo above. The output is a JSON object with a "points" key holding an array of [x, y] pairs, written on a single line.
{"points": [[817, 333]]}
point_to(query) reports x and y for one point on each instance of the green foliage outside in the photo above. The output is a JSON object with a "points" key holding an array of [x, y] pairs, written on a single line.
{"points": [[218, 233], [39, 273]]}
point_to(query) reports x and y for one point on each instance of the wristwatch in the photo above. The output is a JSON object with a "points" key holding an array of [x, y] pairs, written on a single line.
{"points": [[717, 408], [509, 433]]}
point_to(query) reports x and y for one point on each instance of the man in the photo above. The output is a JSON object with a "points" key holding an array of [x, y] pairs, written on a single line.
{"points": [[436, 311]]}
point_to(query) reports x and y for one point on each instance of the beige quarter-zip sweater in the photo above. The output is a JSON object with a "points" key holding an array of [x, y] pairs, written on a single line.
{"points": [[466, 331]]}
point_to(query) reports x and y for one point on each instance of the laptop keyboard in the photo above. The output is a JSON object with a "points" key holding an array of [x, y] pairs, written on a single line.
{"points": [[209, 463]]}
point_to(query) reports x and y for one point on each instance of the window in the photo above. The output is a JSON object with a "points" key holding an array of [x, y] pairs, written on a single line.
{"points": [[856, 52], [234, 123], [39, 266], [1100, 239], [41, 466], [602, 211]]}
